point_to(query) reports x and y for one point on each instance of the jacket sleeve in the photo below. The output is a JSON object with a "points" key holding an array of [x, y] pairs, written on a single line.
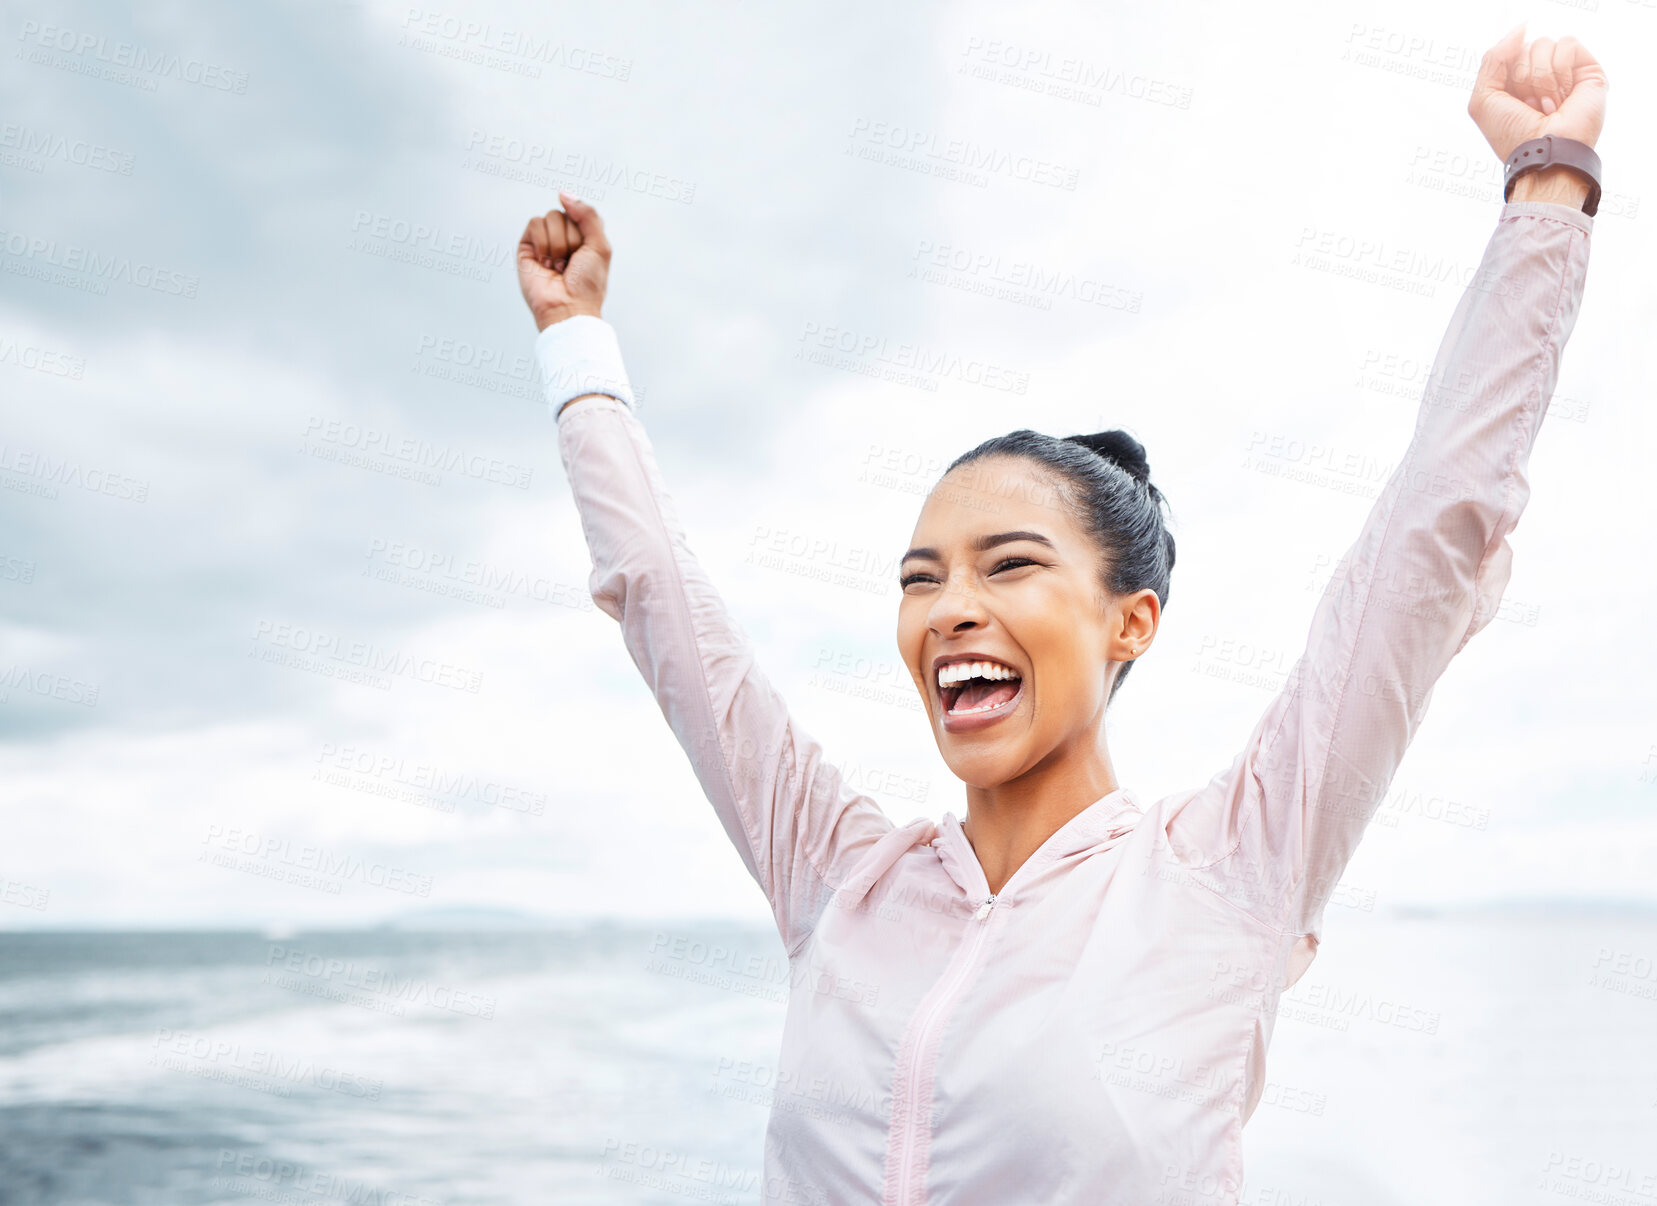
{"points": [[1274, 831], [797, 827]]}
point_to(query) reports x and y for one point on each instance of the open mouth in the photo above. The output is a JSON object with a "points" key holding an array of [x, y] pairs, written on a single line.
{"points": [[980, 695], [978, 689]]}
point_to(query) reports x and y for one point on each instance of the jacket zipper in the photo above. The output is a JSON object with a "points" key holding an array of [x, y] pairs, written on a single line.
{"points": [[938, 1007]]}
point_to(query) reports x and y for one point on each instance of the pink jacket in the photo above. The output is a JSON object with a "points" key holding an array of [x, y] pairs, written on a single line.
{"points": [[1096, 1032]]}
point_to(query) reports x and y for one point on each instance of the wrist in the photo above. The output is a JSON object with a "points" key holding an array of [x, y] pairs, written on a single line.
{"points": [[544, 318], [578, 358], [1559, 185]]}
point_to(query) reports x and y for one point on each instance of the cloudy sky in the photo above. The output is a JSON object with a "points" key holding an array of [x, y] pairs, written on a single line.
{"points": [[258, 273]]}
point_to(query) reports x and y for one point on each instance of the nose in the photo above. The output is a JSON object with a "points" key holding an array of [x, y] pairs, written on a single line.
{"points": [[955, 608]]}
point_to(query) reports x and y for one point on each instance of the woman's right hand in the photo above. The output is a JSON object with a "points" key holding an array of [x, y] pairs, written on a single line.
{"points": [[564, 263]]}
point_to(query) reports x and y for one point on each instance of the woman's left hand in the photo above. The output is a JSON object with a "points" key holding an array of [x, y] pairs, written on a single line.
{"points": [[1525, 90]]}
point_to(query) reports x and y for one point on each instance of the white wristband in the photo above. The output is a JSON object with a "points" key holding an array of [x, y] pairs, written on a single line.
{"points": [[579, 355]]}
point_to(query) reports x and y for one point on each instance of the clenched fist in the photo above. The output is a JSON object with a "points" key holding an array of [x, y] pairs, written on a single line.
{"points": [[564, 263], [1525, 90]]}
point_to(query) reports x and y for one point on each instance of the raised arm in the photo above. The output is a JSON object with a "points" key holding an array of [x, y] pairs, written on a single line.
{"points": [[1275, 830], [796, 825]]}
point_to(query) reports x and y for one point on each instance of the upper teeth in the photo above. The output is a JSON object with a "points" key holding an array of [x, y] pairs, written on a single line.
{"points": [[957, 672]]}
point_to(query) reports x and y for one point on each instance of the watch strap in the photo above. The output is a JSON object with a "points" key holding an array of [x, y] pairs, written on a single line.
{"points": [[1553, 151]]}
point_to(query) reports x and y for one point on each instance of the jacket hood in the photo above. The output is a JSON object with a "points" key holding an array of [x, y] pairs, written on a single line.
{"points": [[1098, 827]]}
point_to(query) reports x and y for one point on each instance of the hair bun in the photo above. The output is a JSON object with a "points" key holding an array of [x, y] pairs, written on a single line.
{"points": [[1120, 447]]}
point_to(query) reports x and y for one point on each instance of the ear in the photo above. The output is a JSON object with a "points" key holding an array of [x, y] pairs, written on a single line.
{"points": [[1148, 608]]}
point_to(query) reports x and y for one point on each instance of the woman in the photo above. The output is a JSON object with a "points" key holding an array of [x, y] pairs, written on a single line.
{"points": [[1068, 996]]}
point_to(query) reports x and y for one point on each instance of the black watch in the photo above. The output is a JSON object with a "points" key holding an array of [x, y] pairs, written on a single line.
{"points": [[1551, 151]]}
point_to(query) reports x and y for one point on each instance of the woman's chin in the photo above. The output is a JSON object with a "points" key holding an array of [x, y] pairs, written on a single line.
{"points": [[983, 769]]}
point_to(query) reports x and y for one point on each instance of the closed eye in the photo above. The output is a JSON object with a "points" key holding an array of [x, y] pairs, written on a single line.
{"points": [[1010, 562]]}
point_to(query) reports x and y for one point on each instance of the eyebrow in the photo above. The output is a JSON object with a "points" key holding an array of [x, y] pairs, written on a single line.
{"points": [[982, 544]]}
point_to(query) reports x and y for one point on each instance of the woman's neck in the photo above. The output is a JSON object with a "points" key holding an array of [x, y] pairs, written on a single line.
{"points": [[1008, 823]]}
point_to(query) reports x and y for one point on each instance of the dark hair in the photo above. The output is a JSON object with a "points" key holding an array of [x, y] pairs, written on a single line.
{"points": [[1105, 482]]}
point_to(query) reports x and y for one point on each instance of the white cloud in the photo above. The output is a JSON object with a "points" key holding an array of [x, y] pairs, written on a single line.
{"points": [[1549, 726]]}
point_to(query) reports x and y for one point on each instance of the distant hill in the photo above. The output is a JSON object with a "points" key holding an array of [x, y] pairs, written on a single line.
{"points": [[469, 917]]}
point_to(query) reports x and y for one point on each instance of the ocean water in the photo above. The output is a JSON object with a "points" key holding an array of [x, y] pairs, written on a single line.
{"points": [[1502, 1058]]}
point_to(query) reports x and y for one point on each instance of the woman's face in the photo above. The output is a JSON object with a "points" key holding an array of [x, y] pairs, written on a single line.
{"points": [[1001, 571]]}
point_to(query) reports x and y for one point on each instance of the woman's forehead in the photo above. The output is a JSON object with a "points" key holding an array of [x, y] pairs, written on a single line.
{"points": [[994, 495]]}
